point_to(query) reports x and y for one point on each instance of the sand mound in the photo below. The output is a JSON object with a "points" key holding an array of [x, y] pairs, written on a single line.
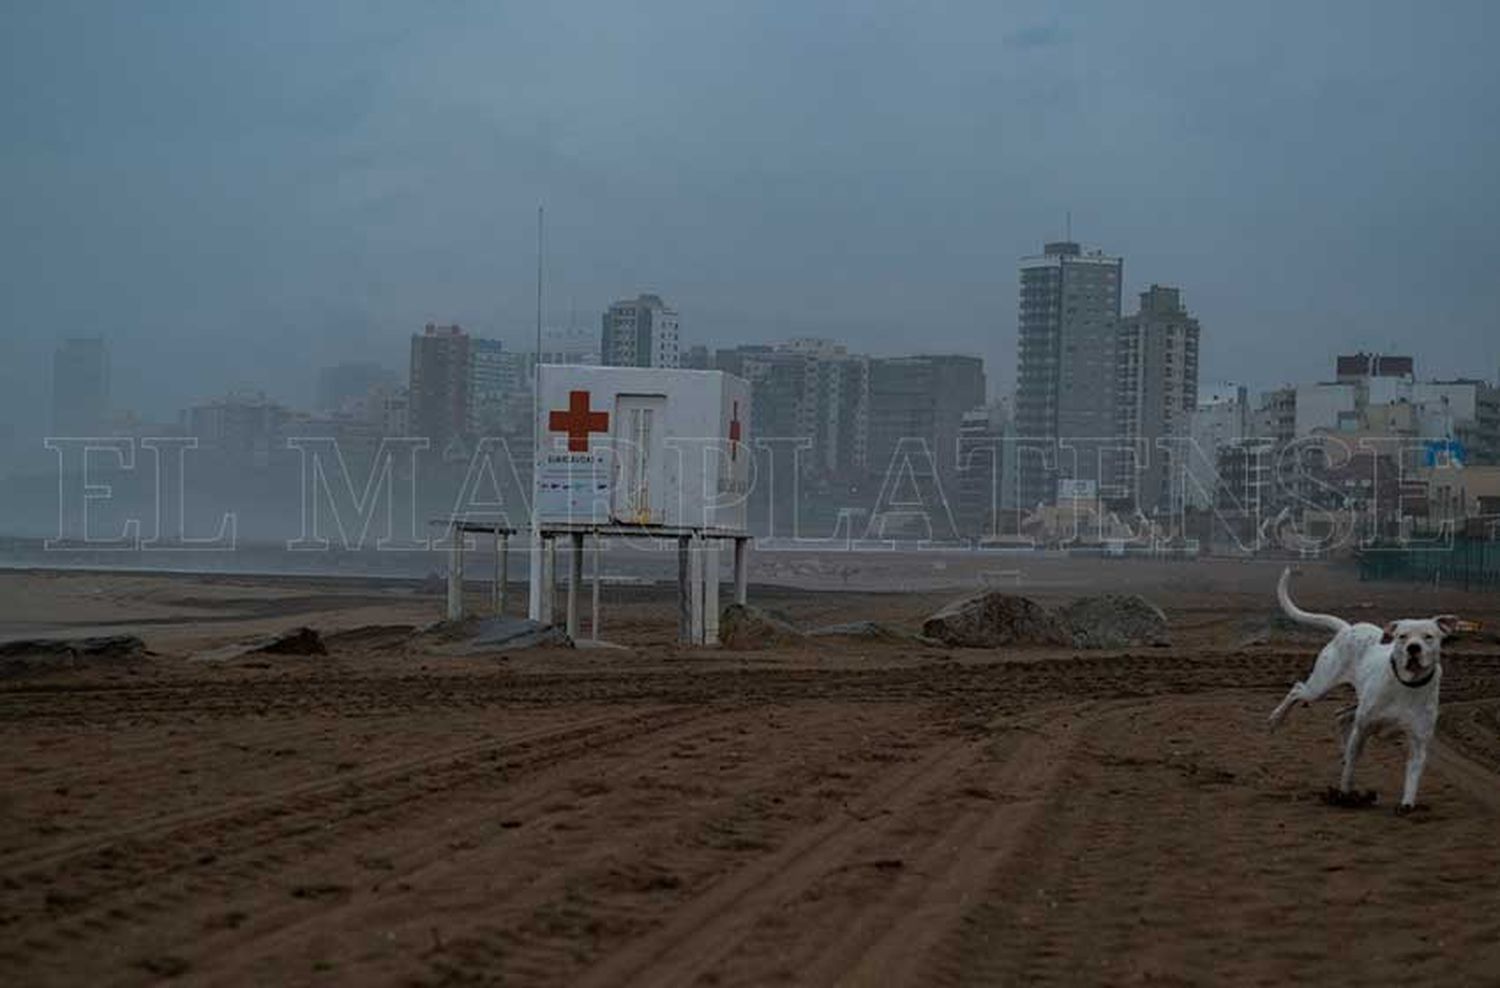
{"points": [[509, 632], [743, 626], [482, 635], [991, 618], [1114, 620], [26, 655], [372, 636], [293, 641], [872, 631]]}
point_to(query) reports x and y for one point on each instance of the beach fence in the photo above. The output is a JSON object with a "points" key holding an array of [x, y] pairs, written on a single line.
{"points": [[1467, 564]]}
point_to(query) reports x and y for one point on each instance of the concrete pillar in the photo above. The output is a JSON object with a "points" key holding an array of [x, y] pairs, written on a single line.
{"points": [[598, 578], [710, 553], [741, 571], [684, 596], [575, 578], [549, 579], [695, 589], [455, 573], [534, 583], [502, 569]]}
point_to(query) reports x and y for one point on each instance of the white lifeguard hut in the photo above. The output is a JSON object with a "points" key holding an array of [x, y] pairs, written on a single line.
{"points": [[641, 452]]}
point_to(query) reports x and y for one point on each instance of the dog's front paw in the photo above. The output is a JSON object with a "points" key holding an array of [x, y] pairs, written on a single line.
{"points": [[1407, 809], [1335, 796]]}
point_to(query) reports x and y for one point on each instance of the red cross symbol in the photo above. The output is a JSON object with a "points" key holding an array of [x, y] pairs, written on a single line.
{"points": [[578, 422], [734, 433]]}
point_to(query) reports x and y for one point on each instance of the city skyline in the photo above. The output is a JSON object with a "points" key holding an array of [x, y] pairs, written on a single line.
{"points": [[193, 177], [717, 492]]}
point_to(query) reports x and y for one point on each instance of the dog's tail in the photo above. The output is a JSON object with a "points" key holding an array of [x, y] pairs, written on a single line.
{"points": [[1325, 621]]}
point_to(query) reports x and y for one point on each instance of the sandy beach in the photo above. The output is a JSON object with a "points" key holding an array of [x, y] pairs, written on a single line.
{"points": [[837, 811]]}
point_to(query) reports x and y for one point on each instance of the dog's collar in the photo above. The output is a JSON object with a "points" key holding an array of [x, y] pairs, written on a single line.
{"points": [[1415, 684]]}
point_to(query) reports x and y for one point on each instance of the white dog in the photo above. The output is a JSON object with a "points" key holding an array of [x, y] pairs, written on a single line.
{"points": [[1395, 672]]}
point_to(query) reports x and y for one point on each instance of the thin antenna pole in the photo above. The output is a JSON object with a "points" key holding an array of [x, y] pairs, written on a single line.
{"points": [[540, 224], [540, 595], [536, 357], [1068, 227]]}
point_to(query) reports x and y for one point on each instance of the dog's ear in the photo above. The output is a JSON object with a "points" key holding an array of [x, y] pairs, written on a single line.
{"points": [[1447, 623], [1389, 634]]}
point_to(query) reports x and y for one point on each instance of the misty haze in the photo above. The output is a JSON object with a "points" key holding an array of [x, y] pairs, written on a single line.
{"points": [[749, 493]]}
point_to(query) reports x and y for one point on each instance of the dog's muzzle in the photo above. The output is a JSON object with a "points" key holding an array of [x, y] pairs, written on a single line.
{"points": [[1414, 667]]}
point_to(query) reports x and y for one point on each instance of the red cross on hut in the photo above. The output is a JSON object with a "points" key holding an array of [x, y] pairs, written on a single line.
{"points": [[578, 421]]}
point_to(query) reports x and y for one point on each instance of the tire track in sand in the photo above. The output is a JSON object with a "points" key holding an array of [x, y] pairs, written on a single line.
{"points": [[949, 863], [254, 835]]}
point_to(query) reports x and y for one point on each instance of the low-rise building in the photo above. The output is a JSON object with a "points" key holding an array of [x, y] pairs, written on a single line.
{"points": [[243, 429], [1458, 495], [1221, 420]]}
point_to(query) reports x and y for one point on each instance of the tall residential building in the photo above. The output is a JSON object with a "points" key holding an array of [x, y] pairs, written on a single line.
{"points": [[439, 395], [1065, 386], [487, 383], [981, 439], [811, 389], [1156, 390], [838, 386], [80, 386], [502, 380], [922, 398], [640, 332]]}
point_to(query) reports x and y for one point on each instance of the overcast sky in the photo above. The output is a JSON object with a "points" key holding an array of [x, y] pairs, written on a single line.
{"points": [[238, 193]]}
